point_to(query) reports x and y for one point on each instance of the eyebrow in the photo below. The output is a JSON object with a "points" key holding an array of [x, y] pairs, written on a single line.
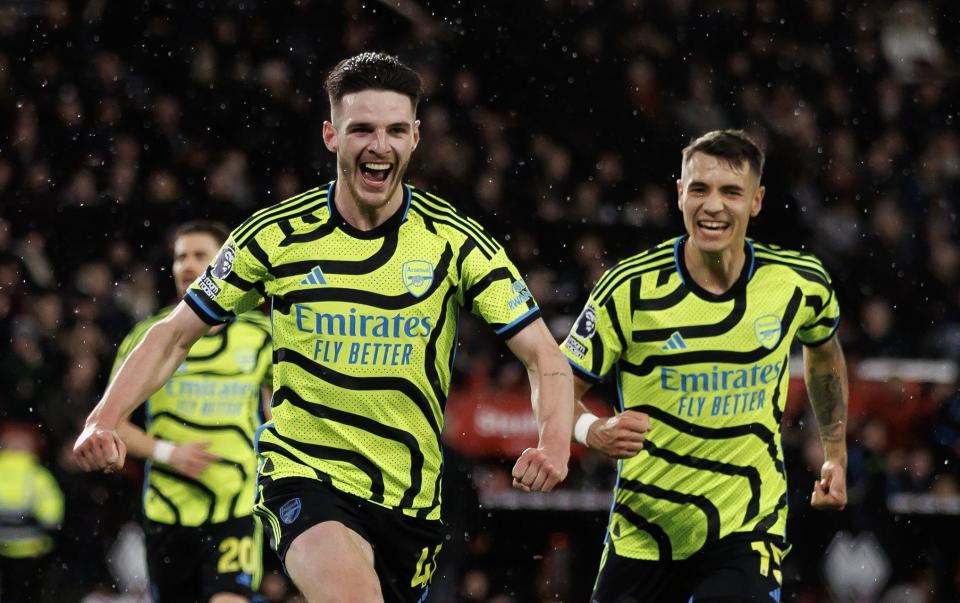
{"points": [[723, 187], [364, 124]]}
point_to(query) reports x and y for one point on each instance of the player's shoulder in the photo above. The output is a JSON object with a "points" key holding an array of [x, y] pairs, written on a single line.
{"points": [[803, 263], [253, 320], [305, 209], [444, 219], [661, 256]]}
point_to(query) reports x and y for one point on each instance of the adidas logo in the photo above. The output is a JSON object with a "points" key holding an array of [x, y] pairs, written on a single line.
{"points": [[314, 277], [674, 343]]}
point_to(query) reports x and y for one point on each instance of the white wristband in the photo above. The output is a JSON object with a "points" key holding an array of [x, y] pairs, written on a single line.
{"points": [[163, 451], [583, 426]]}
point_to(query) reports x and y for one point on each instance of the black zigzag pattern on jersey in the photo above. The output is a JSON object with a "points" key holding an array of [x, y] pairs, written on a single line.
{"points": [[775, 403], [652, 361], [641, 523], [633, 274], [807, 267], [224, 340], [637, 304], [245, 437], [377, 300], [466, 247], [430, 355], [243, 284], [319, 410], [303, 203], [425, 511], [770, 519], [446, 207], [365, 266], [318, 451], [662, 256], [348, 382], [433, 376], [710, 512], [281, 451], [611, 307], [290, 236], [192, 483], [698, 331], [497, 274], [663, 277], [749, 473], [243, 477], [166, 500], [717, 433], [439, 211]]}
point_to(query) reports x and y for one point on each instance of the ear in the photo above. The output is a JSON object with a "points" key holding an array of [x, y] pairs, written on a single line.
{"points": [[757, 203], [329, 137], [680, 193], [416, 133]]}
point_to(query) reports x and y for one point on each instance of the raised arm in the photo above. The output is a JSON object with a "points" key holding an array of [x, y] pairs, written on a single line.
{"points": [[551, 386], [148, 367], [825, 373]]}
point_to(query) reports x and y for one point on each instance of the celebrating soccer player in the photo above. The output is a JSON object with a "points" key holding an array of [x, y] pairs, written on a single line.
{"points": [[365, 276], [203, 543], [698, 330]]}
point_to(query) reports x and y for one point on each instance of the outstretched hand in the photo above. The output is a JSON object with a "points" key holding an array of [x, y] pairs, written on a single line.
{"points": [[99, 449], [621, 436], [830, 491]]}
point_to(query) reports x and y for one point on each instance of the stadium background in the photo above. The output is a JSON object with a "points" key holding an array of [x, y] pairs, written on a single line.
{"points": [[558, 125]]}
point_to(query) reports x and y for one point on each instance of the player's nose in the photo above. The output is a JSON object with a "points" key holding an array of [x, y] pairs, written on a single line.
{"points": [[379, 142]]}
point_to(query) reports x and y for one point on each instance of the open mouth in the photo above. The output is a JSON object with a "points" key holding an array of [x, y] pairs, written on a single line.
{"points": [[712, 225], [375, 174]]}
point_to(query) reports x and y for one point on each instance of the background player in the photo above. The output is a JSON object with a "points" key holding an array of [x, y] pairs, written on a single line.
{"points": [[203, 542], [699, 329], [366, 276]]}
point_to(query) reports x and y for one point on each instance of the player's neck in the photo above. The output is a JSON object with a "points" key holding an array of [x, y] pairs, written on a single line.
{"points": [[361, 215], [715, 272]]}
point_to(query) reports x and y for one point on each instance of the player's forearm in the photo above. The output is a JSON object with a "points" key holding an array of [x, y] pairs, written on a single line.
{"points": [[138, 442], [551, 384], [145, 371], [825, 373]]}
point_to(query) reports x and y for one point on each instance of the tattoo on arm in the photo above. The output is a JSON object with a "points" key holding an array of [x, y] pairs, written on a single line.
{"points": [[827, 389]]}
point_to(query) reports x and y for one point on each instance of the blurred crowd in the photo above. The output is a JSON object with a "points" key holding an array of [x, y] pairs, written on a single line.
{"points": [[558, 125]]}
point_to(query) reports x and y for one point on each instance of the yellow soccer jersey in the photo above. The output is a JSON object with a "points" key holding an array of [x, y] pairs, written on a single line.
{"points": [[365, 331], [712, 372], [214, 397]]}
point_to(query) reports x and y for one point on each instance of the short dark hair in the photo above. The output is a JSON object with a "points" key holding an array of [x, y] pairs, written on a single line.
{"points": [[373, 71], [215, 229], [733, 146]]}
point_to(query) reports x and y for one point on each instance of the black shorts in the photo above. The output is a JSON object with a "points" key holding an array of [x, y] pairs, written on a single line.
{"points": [[735, 569], [404, 548], [194, 563]]}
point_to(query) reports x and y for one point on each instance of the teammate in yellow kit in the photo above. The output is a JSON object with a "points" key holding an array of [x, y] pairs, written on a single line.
{"points": [[697, 332], [365, 276], [203, 543]]}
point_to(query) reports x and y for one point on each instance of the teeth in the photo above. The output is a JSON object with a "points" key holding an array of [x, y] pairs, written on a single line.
{"points": [[377, 166], [717, 225]]}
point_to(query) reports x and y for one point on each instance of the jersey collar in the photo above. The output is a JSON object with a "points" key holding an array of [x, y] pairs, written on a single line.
{"points": [[392, 223], [746, 273]]}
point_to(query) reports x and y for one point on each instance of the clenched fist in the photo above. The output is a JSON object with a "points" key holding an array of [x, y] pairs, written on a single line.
{"points": [[539, 470], [621, 436], [99, 449]]}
